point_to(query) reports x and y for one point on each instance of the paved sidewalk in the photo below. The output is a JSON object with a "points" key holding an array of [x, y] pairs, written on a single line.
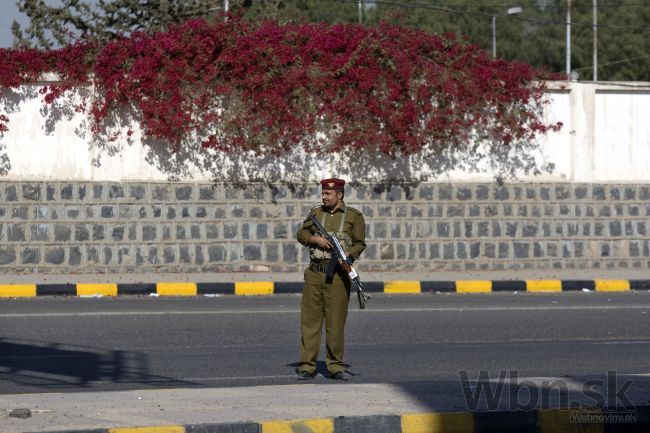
{"points": [[74, 411], [85, 411]]}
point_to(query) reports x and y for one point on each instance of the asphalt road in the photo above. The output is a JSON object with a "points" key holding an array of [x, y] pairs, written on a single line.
{"points": [[73, 344]]}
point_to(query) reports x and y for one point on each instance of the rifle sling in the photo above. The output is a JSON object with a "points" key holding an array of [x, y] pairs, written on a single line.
{"points": [[331, 265]]}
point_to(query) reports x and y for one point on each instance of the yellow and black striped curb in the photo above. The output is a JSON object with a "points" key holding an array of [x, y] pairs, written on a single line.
{"points": [[270, 287], [543, 421]]}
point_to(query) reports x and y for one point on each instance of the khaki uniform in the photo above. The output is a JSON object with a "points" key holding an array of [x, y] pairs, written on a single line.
{"points": [[327, 299]]}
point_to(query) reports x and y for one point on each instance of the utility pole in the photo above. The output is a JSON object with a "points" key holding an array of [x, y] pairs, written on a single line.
{"points": [[510, 11], [360, 12], [494, 36], [595, 40], [568, 38]]}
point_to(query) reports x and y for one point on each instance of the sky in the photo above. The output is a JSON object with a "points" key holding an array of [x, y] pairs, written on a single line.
{"points": [[9, 13]]}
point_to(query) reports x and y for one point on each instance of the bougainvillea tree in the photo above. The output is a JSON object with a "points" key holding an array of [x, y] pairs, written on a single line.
{"points": [[261, 88]]}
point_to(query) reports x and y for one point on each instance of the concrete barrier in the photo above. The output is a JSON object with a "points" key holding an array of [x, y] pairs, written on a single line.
{"points": [[263, 288], [635, 419]]}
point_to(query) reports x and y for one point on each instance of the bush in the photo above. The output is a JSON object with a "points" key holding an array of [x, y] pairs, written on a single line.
{"points": [[238, 86]]}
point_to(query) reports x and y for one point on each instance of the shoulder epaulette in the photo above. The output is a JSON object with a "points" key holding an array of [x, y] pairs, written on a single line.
{"points": [[315, 209]]}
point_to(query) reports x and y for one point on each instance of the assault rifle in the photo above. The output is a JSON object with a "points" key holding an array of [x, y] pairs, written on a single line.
{"points": [[339, 256]]}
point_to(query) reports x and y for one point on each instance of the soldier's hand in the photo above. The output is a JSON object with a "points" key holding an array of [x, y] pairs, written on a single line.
{"points": [[321, 242]]}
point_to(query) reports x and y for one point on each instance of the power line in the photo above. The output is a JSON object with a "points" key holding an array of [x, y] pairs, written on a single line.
{"points": [[532, 5], [485, 14], [614, 62]]}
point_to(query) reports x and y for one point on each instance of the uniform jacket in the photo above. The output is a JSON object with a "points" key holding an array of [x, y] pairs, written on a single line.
{"points": [[354, 226]]}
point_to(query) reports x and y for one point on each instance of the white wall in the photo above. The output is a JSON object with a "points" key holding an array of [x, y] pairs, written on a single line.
{"points": [[606, 137]]}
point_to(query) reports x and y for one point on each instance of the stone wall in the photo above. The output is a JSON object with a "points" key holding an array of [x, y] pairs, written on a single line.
{"points": [[67, 227]]}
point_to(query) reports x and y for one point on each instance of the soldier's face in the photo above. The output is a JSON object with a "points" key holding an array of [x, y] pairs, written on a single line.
{"points": [[330, 198]]}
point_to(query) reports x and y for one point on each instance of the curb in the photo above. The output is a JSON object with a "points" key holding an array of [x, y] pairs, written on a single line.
{"points": [[257, 288], [636, 419]]}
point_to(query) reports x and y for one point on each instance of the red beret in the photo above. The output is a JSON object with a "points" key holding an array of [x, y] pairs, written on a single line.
{"points": [[333, 184]]}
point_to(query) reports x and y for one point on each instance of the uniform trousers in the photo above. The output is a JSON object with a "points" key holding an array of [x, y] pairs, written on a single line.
{"points": [[323, 300]]}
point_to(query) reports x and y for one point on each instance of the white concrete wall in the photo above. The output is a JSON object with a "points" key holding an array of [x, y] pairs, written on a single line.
{"points": [[606, 137]]}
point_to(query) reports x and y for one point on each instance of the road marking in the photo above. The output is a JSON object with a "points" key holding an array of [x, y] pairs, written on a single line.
{"points": [[544, 285], [254, 288], [295, 311], [624, 342], [96, 289], [193, 379], [401, 287], [214, 379], [159, 429], [325, 425], [612, 285], [470, 286], [462, 422], [176, 289], [17, 290], [560, 421]]}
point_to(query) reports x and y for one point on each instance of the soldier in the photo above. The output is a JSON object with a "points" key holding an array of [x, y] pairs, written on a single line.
{"points": [[326, 298]]}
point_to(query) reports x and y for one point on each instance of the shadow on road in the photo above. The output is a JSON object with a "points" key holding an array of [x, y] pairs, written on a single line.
{"points": [[46, 365], [497, 393], [609, 402]]}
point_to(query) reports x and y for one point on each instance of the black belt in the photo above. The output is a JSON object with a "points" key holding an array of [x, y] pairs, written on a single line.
{"points": [[318, 267]]}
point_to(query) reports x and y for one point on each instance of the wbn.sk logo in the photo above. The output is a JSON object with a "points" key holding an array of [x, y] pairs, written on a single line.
{"points": [[508, 392]]}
